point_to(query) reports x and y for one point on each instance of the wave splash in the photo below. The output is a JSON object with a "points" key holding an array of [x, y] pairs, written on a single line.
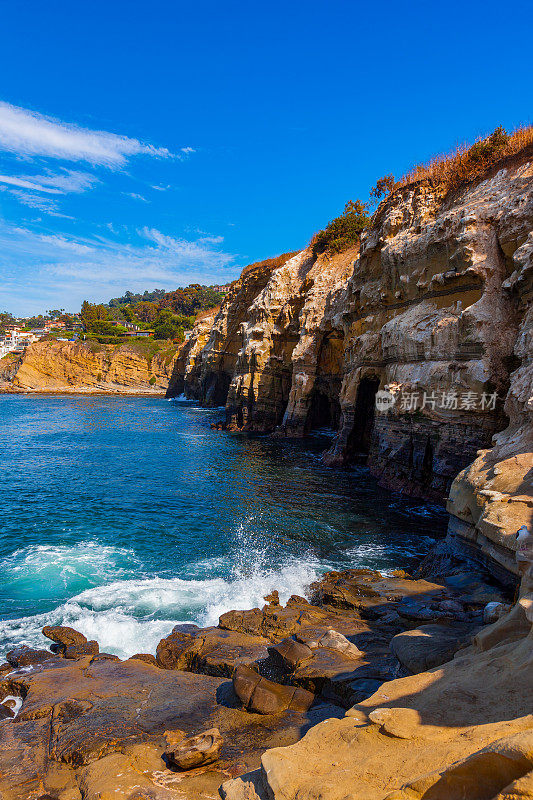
{"points": [[132, 614]]}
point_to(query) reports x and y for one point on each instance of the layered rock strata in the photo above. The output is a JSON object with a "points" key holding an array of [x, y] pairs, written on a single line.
{"points": [[50, 366], [436, 309]]}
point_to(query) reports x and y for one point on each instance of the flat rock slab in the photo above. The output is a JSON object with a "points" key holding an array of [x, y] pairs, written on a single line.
{"points": [[95, 706], [78, 713], [211, 651]]}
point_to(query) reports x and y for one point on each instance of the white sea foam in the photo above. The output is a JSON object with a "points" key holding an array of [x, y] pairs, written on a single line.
{"points": [[63, 564], [17, 703], [132, 615]]}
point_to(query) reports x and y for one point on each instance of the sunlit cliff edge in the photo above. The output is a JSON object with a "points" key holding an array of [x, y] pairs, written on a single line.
{"points": [[56, 366]]}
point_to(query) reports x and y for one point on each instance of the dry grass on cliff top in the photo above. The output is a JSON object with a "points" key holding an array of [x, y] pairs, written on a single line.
{"points": [[207, 312], [269, 264], [468, 162]]}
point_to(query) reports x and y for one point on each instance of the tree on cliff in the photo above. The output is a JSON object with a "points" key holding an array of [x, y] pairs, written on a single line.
{"points": [[5, 319], [168, 326]]}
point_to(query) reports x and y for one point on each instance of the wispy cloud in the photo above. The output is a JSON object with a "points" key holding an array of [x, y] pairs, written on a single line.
{"points": [[38, 266], [33, 200], [28, 133], [66, 181], [135, 196], [184, 248]]}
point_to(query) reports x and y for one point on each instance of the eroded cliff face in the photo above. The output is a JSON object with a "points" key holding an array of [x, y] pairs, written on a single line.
{"points": [[493, 497], [435, 308], [72, 367]]}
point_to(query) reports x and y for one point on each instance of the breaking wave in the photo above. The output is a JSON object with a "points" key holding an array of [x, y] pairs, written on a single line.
{"points": [[131, 615]]}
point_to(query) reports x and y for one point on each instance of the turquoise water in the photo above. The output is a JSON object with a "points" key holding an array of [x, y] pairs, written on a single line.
{"points": [[122, 516]]}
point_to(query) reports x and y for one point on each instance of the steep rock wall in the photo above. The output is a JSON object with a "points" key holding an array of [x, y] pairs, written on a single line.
{"points": [[70, 367], [208, 362], [493, 497], [435, 308]]}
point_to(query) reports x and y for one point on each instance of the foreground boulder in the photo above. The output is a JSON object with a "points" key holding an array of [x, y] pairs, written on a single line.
{"points": [[266, 697], [196, 751], [429, 646], [69, 642]]}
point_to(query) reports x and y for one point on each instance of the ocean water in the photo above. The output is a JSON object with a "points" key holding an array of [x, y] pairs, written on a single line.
{"points": [[123, 516]]}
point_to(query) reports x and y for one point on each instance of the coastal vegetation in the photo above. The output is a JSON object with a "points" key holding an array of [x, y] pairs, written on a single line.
{"points": [[468, 162], [165, 315], [343, 231], [269, 263], [447, 171]]}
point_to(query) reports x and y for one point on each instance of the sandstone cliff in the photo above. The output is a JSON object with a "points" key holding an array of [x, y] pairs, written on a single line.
{"points": [[50, 366], [436, 308]]}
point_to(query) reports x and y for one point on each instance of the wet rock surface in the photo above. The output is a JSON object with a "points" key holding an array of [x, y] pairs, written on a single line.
{"points": [[266, 697], [211, 651]]}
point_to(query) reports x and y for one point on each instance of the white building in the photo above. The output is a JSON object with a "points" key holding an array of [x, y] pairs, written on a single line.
{"points": [[15, 341]]}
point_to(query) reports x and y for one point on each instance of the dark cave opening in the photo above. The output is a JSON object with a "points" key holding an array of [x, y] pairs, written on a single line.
{"points": [[427, 464], [365, 407], [216, 388], [324, 412]]}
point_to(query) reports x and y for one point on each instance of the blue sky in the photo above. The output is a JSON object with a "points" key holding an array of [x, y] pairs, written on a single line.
{"points": [[148, 145]]}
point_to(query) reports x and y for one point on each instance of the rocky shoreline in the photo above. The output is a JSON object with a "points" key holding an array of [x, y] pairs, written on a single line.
{"points": [[374, 687], [79, 724]]}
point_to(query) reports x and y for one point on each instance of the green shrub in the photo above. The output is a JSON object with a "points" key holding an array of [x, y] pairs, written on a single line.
{"points": [[344, 231], [106, 339], [152, 381], [148, 348], [489, 148]]}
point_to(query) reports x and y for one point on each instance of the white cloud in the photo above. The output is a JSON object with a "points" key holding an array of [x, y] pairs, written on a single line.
{"points": [[211, 239], [135, 196], [65, 244], [27, 133], [66, 181], [33, 200], [187, 150], [194, 251], [39, 268]]}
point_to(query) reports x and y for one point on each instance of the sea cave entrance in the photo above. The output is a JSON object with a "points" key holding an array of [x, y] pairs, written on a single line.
{"points": [[365, 407], [324, 411], [216, 388]]}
